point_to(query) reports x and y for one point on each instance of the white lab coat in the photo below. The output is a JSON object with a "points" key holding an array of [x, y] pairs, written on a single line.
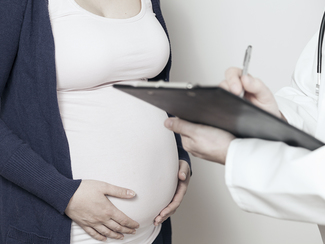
{"points": [[274, 179]]}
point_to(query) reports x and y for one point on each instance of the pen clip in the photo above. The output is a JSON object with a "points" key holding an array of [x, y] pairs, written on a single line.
{"points": [[247, 58]]}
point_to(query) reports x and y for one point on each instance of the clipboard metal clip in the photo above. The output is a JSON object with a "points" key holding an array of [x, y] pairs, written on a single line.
{"points": [[163, 84]]}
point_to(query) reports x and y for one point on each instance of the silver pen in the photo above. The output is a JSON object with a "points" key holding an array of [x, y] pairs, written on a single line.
{"points": [[247, 58]]}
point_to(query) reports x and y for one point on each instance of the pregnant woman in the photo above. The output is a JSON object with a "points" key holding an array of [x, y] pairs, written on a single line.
{"points": [[72, 147]]}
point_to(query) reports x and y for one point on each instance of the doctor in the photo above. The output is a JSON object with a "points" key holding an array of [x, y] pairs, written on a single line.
{"points": [[265, 177]]}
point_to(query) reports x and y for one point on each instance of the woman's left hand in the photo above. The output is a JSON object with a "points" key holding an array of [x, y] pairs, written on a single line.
{"points": [[183, 181]]}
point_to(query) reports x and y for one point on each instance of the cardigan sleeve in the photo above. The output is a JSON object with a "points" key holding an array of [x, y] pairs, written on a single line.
{"points": [[19, 164]]}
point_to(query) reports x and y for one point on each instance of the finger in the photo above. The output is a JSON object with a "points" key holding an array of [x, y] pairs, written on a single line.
{"points": [[123, 220], [224, 85], [166, 213], [257, 88], [184, 170], [178, 198], [159, 220], [106, 232], [180, 126], [170, 209], [117, 191], [188, 143], [94, 234], [233, 79], [112, 225]]}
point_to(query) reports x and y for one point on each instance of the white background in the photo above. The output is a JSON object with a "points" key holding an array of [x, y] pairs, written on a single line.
{"points": [[208, 37]]}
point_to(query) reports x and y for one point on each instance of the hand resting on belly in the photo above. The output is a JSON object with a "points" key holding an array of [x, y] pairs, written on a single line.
{"points": [[90, 208]]}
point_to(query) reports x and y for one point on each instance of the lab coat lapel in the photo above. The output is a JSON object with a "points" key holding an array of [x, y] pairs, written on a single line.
{"points": [[320, 131], [322, 232]]}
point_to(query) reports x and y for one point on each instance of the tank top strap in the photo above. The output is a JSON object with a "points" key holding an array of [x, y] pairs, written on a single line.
{"points": [[147, 3], [59, 8]]}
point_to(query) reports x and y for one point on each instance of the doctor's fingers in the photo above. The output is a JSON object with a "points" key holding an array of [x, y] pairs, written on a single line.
{"points": [[255, 87], [233, 82], [191, 145], [181, 127]]}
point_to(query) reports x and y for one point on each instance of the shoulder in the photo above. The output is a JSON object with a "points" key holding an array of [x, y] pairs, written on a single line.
{"points": [[19, 5], [12, 9], [13, 4]]}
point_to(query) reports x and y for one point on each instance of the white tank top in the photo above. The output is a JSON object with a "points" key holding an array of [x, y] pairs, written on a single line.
{"points": [[112, 136]]}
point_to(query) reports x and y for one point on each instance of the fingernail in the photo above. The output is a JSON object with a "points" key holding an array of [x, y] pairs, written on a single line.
{"points": [[169, 123], [183, 174], [130, 193], [121, 238]]}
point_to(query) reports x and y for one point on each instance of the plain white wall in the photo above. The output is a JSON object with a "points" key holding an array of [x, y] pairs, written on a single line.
{"points": [[208, 36]]}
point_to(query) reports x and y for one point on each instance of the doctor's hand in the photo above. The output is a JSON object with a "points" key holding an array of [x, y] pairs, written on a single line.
{"points": [[90, 208], [184, 176], [255, 90], [202, 141]]}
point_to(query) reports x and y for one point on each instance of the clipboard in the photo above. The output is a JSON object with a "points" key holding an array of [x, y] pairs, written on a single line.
{"points": [[214, 106]]}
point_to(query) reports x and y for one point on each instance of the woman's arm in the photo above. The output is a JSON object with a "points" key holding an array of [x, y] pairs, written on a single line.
{"points": [[19, 162]]}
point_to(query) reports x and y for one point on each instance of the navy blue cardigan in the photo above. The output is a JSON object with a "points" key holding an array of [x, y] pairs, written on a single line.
{"points": [[35, 172]]}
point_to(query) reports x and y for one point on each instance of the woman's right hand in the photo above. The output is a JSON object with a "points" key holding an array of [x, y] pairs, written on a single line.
{"points": [[255, 90], [90, 208]]}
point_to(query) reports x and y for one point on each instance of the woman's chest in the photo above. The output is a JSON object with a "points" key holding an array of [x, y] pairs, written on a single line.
{"points": [[118, 9], [91, 50]]}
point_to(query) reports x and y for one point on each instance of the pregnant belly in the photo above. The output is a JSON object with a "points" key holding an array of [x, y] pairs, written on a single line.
{"points": [[121, 140]]}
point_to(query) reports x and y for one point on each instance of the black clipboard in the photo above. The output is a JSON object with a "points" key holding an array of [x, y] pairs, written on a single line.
{"points": [[214, 106]]}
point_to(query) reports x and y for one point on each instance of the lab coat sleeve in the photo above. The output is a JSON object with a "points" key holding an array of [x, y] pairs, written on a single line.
{"points": [[274, 179]]}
